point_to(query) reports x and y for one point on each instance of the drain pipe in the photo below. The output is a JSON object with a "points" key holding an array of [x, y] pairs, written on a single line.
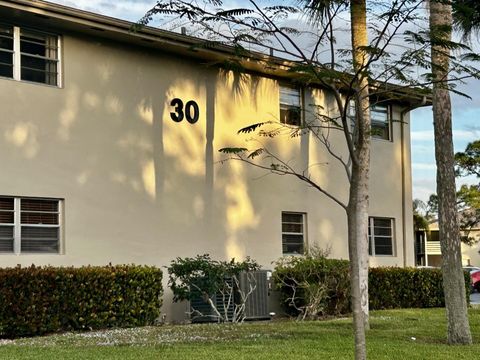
{"points": [[404, 210]]}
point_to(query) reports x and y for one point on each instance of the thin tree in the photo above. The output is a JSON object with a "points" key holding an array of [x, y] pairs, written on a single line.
{"points": [[458, 331]]}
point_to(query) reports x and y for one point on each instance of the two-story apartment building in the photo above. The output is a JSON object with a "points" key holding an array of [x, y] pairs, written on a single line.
{"points": [[97, 167]]}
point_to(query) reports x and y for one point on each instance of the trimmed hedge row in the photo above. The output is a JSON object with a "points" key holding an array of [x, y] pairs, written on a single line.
{"points": [[389, 287], [39, 300]]}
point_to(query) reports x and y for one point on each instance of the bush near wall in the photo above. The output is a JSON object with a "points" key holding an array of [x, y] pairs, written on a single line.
{"points": [[39, 300], [389, 287], [313, 286]]}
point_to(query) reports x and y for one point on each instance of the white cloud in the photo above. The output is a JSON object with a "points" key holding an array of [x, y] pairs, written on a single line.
{"points": [[131, 10], [424, 166], [427, 135]]}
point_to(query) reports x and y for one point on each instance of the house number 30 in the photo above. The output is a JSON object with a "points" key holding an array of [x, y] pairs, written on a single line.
{"points": [[190, 111]]}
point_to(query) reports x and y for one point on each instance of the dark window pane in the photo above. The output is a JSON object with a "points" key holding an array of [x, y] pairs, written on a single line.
{"points": [[292, 244], [295, 228], [32, 48], [383, 231], [292, 249], [292, 239], [290, 116], [40, 239], [6, 58], [6, 238], [38, 44], [6, 245], [6, 203], [6, 42], [6, 217], [292, 218], [6, 232], [380, 131], [33, 233], [39, 218], [377, 222], [39, 246], [383, 250], [39, 205], [6, 71]]}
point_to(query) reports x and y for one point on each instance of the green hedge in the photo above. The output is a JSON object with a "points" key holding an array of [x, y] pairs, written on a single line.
{"points": [[39, 300], [389, 287]]}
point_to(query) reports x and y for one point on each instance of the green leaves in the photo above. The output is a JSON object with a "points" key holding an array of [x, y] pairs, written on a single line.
{"points": [[390, 287], [211, 284], [37, 300]]}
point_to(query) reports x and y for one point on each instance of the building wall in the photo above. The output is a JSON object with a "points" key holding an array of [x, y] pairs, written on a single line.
{"points": [[140, 188]]}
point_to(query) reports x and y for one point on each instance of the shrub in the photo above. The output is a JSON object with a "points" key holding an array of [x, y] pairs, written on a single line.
{"points": [[39, 300], [216, 284], [315, 286], [393, 287]]}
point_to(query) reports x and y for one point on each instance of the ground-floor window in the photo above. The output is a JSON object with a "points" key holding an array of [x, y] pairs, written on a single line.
{"points": [[380, 236], [293, 233], [30, 225]]}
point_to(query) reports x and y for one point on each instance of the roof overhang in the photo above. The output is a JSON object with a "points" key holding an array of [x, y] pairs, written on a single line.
{"points": [[57, 17]]}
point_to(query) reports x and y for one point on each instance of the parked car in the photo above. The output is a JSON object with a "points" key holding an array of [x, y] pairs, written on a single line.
{"points": [[475, 276], [471, 268]]}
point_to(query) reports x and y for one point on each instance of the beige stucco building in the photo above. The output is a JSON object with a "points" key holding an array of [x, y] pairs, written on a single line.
{"points": [[429, 251], [95, 171]]}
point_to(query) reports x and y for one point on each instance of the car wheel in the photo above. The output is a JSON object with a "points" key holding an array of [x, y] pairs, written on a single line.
{"points": [[477, 286]]}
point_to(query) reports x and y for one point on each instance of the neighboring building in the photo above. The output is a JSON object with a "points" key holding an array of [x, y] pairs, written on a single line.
{"points": [[95, 170], [428, 252]]}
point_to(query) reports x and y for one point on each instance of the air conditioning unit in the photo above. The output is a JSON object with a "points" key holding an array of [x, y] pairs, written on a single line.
{"points": [[256, 305]]}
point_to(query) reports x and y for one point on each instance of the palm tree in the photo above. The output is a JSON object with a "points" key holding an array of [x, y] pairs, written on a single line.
{"points": [[453, 277], [466, 17], [322, 12]]}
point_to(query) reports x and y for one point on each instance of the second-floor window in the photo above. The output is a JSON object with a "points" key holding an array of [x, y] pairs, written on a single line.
{"points": [[380, 119], [29, 55], [379, 115], [290, 105]]}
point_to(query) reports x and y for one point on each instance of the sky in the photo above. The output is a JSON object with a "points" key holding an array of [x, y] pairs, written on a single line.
{"points": [[466, 112]]}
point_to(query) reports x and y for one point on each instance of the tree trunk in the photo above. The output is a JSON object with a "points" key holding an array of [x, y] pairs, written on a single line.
{"points": [[357, 211], [453, 278]]}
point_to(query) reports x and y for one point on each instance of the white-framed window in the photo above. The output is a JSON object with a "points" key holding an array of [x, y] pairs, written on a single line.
{"points": [[29, 55], [380, 117], [293, 232], [380, 120], [380, 236], [30, 225], [290, 105]]}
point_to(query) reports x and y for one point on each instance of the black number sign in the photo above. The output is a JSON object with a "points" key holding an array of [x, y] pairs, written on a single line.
{"points": [[192, 111], [177, 116], [190, 107]]}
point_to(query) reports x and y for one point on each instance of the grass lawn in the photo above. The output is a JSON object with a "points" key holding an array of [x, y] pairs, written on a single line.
{"points": [[396, 334]]}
